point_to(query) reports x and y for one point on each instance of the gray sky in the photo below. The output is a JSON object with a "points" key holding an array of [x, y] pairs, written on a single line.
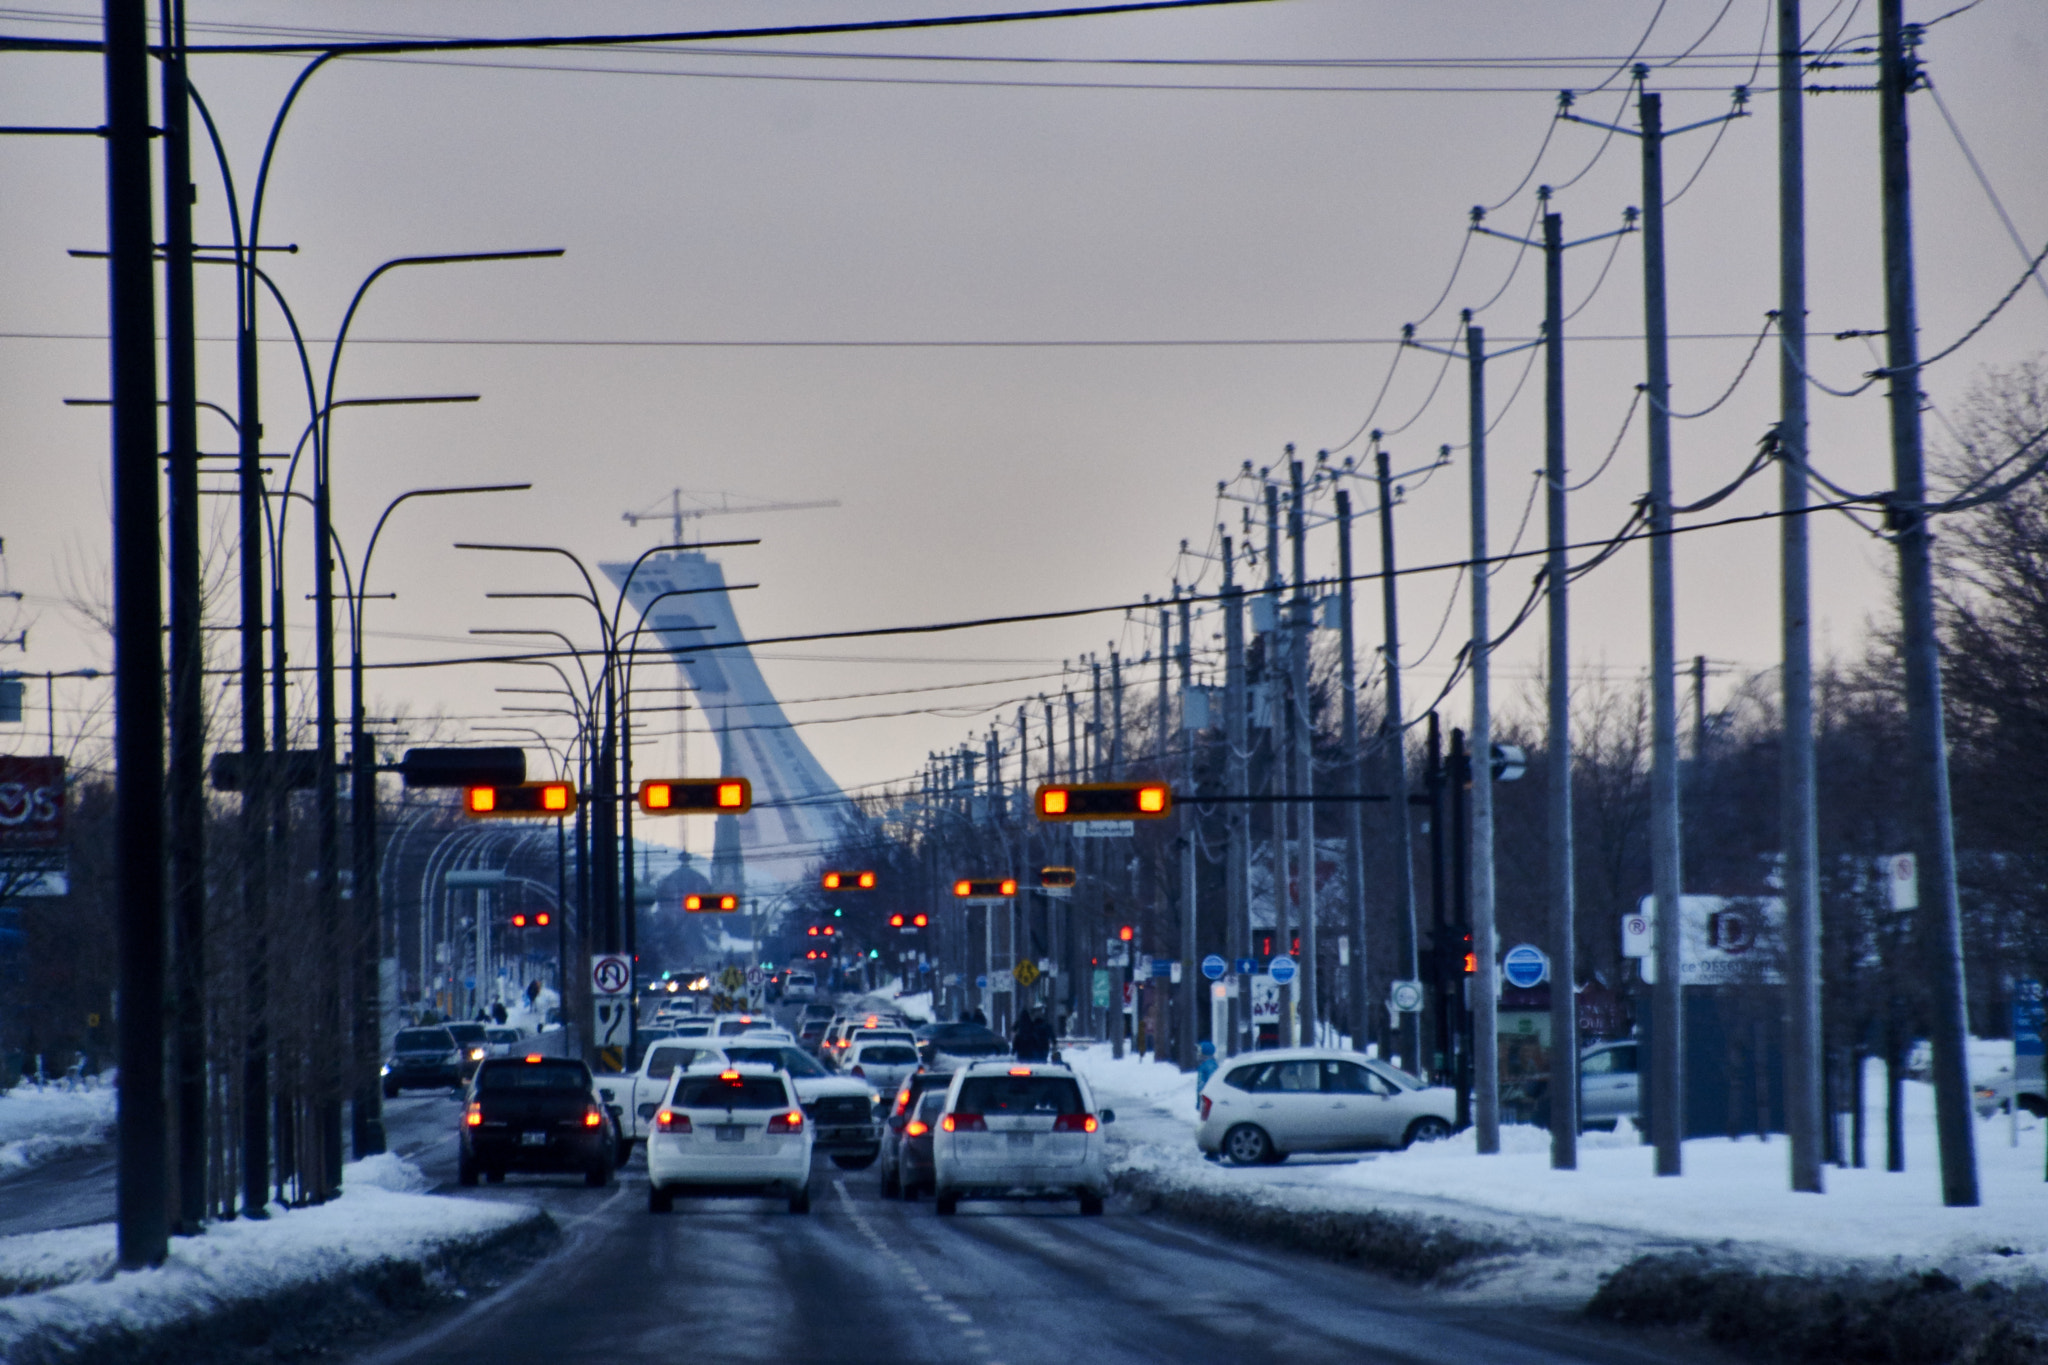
{"points": [[714, 196]]}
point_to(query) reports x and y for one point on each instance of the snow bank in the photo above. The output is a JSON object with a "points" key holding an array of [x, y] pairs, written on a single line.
{"points": [[240, 1273], [41, 1125], [1731, 1190]]}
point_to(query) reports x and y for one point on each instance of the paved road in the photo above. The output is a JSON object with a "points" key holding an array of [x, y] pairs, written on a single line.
{"points": [[863, 1279], [69, 1192]]}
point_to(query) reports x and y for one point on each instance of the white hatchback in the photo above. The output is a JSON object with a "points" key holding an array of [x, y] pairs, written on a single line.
{"points": [[724, 1130], [1014, 1131], [883, 1063], [1270, 1105]]}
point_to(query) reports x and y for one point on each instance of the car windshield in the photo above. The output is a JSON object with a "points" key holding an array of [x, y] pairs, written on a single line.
{"points": [[740, 1092], [1019, 1095], [533, 1076], [794, 1060], [888, 1054], [502, 1035], [425, 1040], [467, 1033]]}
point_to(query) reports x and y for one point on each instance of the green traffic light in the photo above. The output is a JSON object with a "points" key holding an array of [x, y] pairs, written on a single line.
{"points": [[837, 912], [874, 952]]}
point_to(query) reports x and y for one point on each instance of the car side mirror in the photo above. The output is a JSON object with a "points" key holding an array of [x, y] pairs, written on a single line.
{"points": [[1107, 1116]]}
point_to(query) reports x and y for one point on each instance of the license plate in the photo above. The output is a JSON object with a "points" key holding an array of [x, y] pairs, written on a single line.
{"points": [[729, 1132], [1020, 1140], [533, 1139]]}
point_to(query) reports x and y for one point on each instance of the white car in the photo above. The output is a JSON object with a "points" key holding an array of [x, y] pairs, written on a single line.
{"points": [[1020, 1132], [842, 1108], [800, 988], [502, 1040], [883, 1063], [1270, 1105], [736, 1129]]}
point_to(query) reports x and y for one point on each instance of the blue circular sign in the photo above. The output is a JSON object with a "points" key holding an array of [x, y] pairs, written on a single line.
{"points": [[1281, 969], [1525, 965], [1214, 967], [981, 981]]}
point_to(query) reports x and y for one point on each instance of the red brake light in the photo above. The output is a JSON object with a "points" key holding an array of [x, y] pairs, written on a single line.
{"points": [[792, 1122], [916, 1128], [1205, 1108], [903, 1099], [728, 1075], [533, 1056], [1074, 1123], [592, 1117], [669, 1121], [964, 1123], [473, 1115]]}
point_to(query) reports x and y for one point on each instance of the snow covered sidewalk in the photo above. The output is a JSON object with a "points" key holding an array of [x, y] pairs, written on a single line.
{"points": [[381, 1238], [41, 1125], [1732, 1192]]}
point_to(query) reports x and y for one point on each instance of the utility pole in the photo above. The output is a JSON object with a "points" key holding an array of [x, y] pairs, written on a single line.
{"points": [[1442, 954], [1300, 638], [187, 794], [1797, 784], [1934, 835], [1564, 1022], [1236, 819], [1191, 987], [1354, 775], [1282, 811], [141, 1197], [1485, 986], [1394, 737]]}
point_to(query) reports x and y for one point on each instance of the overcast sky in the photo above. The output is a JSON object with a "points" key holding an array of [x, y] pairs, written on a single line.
{"points": [[1312, 187]]}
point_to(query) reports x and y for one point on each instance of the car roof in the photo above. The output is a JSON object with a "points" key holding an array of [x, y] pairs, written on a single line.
{"points": [[1004, 1067], [744, 1068]]}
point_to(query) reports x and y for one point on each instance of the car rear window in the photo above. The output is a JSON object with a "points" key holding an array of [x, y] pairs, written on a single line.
{"points": [[667, 1059], [533, 1076], [888, 1054], [791, 1059], [930, 1105], [468, 1033], [425, 1039], [743, 1092], [727, 1028], [1019, 1095]]}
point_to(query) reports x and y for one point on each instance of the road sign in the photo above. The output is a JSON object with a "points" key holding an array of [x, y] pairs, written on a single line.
{"points": [[1525, 966], [981, 981], [1164, 967], [1026, 972], [755, 976], [1214, 967], [732, 978], [1636, 938], [1509, 762], [1100, 990], [1281, 969], [1102, 829], [1246, 966], [611, 973], [1902, 880], [1405, 996]]}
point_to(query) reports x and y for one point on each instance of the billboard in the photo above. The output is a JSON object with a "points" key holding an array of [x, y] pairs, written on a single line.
{"points": [[1725, 940], [31, 803]]}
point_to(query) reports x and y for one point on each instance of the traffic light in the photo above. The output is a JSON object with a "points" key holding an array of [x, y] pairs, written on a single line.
{"points": [[849, 881], [822, 931], [1471, 958], [540, 919], [909, 923], [697, 796], [463, 767], [1126, 933], [971, 889], [701, 905], [1051, 877], [1105, 801], [528, 800]]}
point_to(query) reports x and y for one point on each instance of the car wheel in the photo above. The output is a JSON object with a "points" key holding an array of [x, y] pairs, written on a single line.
{"points": [[854, 1161], [465, 1171], [1091, 1204], [1428, 1128], [946, 1203], [800, 1202], [660, 1200], [1247, 1145]]}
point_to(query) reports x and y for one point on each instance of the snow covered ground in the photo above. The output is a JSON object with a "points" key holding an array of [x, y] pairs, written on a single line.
{"points": [[1731, 1191], [380, 1218], [42, 1125]]}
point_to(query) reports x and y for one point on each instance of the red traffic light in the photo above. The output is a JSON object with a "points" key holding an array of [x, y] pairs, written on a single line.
{"points": [[920, 921], [848, 881], [1105, 801], [1126, 933], [977, 889], [697, 796], [724, 904], [519, 921], [528, 800], [895, 921]]}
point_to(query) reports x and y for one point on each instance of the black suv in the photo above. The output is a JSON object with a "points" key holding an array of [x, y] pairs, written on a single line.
{"points": [[423, 1058], [535, 1114]]}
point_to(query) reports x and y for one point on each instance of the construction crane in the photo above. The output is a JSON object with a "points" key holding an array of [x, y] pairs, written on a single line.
{"points": [[725, 506]]}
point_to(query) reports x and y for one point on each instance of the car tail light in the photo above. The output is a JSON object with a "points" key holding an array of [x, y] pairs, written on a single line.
{"points": [[592, 1117], [792, 1122], [1205, 1108], [964, 1123], [1074, 1123], [473, 1115], [903, 1099], [669, 1121], [916, 1128]]}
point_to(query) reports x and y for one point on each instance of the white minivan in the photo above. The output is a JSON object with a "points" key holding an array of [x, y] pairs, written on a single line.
{"points": [[800, 988], [725, 1129], [1018, 1131]]}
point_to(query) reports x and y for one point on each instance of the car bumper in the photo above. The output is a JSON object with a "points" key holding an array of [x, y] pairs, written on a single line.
{"points": [[561, 1152], [688, 1161], [422, 1077], [849, 1138]]}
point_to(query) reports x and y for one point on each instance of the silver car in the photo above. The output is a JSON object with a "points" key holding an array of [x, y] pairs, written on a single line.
{"points": [[1610, 1086]]}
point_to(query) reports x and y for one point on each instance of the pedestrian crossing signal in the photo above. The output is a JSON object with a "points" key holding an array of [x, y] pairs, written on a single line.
{"points": [[702, 905], [526, 800], [696, 796], [1105, 801]]}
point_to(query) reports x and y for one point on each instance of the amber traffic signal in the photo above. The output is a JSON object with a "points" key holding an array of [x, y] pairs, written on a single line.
{"points": [[528, 800], [909, 921], [1105, 801], [711, 905], [849, 881], [697, 796], [968, 888], [1055, 876], [823, 931], [539, 920]]}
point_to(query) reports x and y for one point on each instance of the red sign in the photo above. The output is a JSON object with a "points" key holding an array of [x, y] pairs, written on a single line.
{"points": [[31, 803]]}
